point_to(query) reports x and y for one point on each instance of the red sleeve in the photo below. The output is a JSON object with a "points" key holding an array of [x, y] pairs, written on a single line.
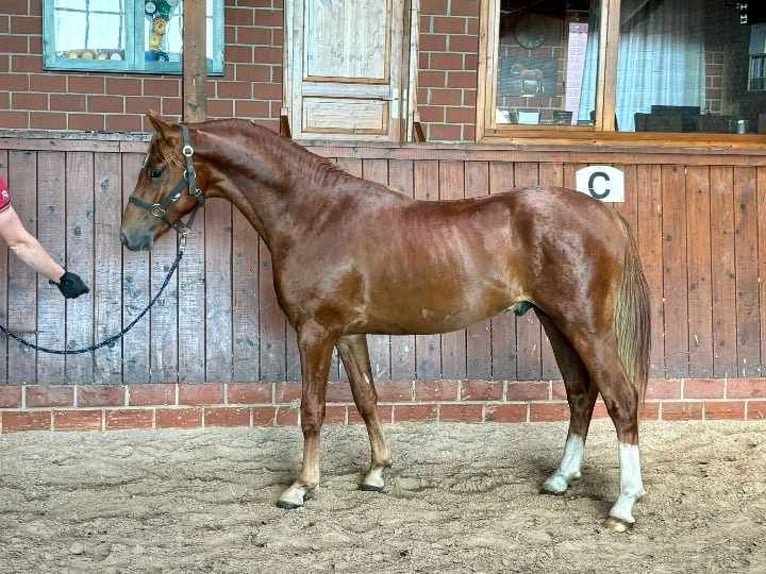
{"points": [[5, 194]]}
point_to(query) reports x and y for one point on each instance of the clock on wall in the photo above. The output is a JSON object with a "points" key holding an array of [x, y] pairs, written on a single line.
{"points": [[532, 30]]}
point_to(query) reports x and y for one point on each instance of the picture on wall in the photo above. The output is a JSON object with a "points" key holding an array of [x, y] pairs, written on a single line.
{"points": [[527, 77]]}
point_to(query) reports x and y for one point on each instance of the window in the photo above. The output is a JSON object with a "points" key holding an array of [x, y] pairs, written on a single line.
{"points": [[575, 67], [124, 35]]}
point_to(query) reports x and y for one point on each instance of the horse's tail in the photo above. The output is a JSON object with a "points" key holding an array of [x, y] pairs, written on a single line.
{"points": [[632, 319]]}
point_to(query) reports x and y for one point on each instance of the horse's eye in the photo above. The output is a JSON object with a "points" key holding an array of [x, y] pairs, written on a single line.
{"points": [[155, 172]]}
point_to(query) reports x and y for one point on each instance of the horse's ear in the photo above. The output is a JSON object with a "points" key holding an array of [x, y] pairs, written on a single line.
{"points": [[160, 126]]}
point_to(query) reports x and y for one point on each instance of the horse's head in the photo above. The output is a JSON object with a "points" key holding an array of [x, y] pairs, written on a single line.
{"points": [[166, 190]]}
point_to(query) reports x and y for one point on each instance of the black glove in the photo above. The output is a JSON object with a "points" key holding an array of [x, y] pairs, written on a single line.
{"points": [[71, 286]]}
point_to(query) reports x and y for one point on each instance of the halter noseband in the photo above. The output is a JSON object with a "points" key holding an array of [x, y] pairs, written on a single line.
{"points": [[189, 181]]}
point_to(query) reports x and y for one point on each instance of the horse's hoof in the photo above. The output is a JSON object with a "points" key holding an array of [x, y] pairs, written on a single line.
{"points": [[617, 525], [287, 505], [556, 485], [370, 488]]}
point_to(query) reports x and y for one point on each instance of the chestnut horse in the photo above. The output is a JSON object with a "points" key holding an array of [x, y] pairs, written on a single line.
{"points": [[352, 257]]}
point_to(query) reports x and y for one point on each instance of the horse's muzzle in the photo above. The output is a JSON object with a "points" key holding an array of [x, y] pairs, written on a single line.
{"points": [[137, 241]]}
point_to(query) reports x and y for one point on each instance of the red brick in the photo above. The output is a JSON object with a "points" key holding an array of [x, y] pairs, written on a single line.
{"points": [[121, 419], [746, 389], [238, 16], [599, 411], [339, 392], [558, 391], [464, 8], [548, 412], [287, 416], [335, 415], [251, 109], [432, 114], [431, 79], [105, 104], [267, 55], [10, 397], [252, 73], [86, 122], [250, 393], [449, 25], [703, 389], [121, 123], [241, 90], [482, 391], [67, 103], [756, 410], [26, 25], [217, 108], [527, 391], [47, 83], [663, 389], [47, 121], [200, 394], [15, 120], [124, 86], [445, 97], [385, 414], [264, 416], [54, 396], [681, 411], [77, 420], [14, 82], [436, 390], [650, 411], [464, 44], [100, 396], [26, 101], [25, 421], [732, 410], [433, 43], [460, 115], [178, 418], [437, 7], [26, 63], [445, 61], [269, 18], [457, 79], [419, 413], [162, 87], [287, 392], [443, 132], [227, 417], [140, 104], [461, 413], [394, 391], [151, 395], [86, 84], [253, 36], [506, 413]]}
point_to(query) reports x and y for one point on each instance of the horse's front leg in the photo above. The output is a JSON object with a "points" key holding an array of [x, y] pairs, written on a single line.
{"points": [[356, 358], [315, 344]]}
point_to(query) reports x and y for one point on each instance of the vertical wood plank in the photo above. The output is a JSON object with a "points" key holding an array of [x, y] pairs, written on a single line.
{"points": [[675, 279], [723, 278], [427, 347], [400, 177], [629, 208], [379, 345], [135, 290], [271, 338], [478, 336], [761, 193], [245, 298], [107, 285], [51, 312], [649, 182], [700, 293], [528, 328], [551, 175], [192, 305], [79, 258], [453, 345], [218, 287], [746, 265], [164, 314], [4, 285], [22, 280], [504, 358]]}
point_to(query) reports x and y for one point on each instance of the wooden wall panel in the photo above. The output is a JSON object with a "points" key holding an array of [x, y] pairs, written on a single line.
{"points": [[700, 232]]}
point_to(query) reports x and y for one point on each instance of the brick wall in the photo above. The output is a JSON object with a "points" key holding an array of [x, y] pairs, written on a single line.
{"points": [[448, 63], [156, 406], [31, 98]]}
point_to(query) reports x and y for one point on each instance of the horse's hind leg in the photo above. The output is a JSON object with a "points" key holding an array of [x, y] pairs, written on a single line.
{"points": [[356, 359], [581, 395]]}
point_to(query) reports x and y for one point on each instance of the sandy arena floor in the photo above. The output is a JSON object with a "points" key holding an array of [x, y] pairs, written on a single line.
{"points": [[460, 498]]}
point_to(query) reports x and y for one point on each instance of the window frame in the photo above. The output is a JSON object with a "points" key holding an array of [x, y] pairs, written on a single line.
{"points": [[600, 134], [135, 43]]}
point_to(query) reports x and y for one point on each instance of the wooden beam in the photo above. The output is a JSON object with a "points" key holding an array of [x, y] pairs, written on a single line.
{"points": [[194, 61]]}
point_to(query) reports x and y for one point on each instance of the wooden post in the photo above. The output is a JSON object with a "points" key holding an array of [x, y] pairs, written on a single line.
{"points": [[194, 61]]}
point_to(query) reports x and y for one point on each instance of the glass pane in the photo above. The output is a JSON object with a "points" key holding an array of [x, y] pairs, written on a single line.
{"points": [[690, 66], [85, 30], [163, 30], [547, 62]]}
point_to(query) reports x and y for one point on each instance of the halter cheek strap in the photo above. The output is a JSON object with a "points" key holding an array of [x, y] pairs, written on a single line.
{"points": [[189, 181]]}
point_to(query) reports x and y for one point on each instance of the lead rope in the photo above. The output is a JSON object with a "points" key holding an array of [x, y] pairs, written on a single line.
{"points": [[109, 341]]}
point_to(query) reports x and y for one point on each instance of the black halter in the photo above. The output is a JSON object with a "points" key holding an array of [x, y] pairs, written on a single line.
{"points": [[189, 181]]}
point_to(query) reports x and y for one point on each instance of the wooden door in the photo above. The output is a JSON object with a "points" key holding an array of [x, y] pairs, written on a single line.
{"points": [[344, 69]]}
